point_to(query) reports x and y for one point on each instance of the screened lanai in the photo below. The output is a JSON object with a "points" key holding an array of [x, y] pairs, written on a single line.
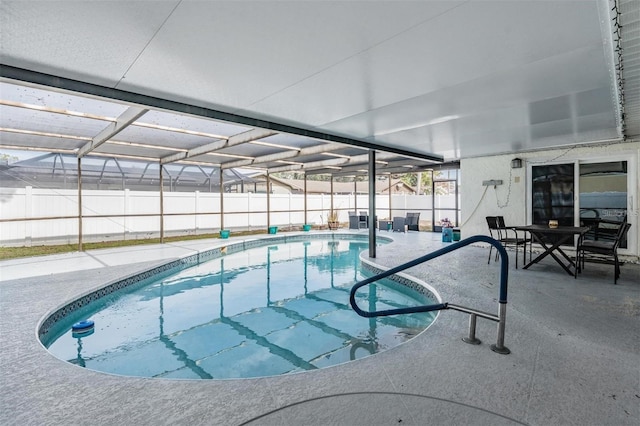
{"points": [[328, 88], [84, 143]]}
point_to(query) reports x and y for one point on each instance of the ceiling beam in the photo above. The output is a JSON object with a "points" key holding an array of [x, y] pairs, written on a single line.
{"points": [[240, 138], [112, 129], [285, 155], [33, 77], [356, 159], [416, 165]]}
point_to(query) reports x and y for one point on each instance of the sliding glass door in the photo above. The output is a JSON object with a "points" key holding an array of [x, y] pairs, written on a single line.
{"points": [[603, 198], [552, 194], [587, 193]]}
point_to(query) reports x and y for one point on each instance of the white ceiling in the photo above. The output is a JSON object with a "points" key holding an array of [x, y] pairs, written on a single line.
{"points": [[455, 79]]}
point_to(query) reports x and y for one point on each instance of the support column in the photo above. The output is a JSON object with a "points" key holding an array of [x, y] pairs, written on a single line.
{"points": [[79, 204], [221, 200], [389, 190], [355, 194], [28, 210], [305, 201], [372, 203], [331, 189], [161, 204], [268, 201]]}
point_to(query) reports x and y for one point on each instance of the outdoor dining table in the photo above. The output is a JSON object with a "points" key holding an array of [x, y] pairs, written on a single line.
{"points": [[551, 239]]}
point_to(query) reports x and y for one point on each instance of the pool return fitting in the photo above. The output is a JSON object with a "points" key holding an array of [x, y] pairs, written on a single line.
{"points": [[474, 313]]}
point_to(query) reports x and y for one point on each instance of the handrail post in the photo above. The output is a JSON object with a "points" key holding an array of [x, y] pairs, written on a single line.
{"points": [[499, 346], [471, 339]]}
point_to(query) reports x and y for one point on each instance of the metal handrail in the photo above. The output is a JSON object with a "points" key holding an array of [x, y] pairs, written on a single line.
{"points": [[502, 302]]}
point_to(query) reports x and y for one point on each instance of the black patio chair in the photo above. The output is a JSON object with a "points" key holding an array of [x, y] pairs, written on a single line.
{"points": [[602, 251], [412, 221], [399, 224], [353, 220], [499, 231], [363, 220]]}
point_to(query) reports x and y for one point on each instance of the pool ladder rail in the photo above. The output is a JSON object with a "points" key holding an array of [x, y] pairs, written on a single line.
{"points": [[473, 313]]}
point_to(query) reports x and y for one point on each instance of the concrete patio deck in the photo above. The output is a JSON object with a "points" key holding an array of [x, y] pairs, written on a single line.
{"points": [[574, 359]]}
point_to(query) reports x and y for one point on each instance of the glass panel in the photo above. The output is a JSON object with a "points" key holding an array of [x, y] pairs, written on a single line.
{"points": [[445, 217], [552, 198], [603, 198], [444, 204]]}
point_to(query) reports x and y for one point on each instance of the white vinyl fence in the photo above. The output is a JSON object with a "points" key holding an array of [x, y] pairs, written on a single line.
{"points": [[50, 216]]}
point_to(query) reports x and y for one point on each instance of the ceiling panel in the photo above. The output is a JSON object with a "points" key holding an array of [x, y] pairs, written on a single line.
{"points": [[42, 121], [39, 98], [46, 143], [191, 123], [456, 79], [160, 137], [282, 42], [94, 41]]}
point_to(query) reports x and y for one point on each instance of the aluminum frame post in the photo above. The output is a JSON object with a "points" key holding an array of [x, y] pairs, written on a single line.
{"points": [[80, 204], [372, 203], [268, 201], [161, 204], [221, 200]]}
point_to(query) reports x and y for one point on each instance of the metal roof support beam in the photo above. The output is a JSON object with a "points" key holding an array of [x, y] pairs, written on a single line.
{"points": [[284, 155], [332, 162], [240, 138], [124, 120], [34, 77], [392, 164]]}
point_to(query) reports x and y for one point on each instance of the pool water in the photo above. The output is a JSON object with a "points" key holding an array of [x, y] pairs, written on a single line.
{"points": [[265, 311]]}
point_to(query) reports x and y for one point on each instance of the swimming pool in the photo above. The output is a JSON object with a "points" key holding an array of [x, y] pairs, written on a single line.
{"points": [[268, 310]]}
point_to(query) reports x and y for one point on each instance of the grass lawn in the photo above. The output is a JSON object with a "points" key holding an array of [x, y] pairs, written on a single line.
{"points": [[16, 252]]}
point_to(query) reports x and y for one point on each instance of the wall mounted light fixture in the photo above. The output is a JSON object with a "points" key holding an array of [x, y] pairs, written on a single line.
{"points": [[516, 163]]}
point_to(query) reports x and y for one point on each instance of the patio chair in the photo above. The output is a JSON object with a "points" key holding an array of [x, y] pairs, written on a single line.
{"points": [[412, 221], [499, 231], [602, 251], [363, 220], [399, 224], [353, 220], [518, 240]]}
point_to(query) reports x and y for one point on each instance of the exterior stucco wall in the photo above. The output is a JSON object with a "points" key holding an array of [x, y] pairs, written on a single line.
{"points": [[510, 198]]}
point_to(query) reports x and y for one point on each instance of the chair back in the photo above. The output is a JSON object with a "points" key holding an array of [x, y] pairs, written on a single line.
{"points": [[494, 229], [501, 224], [492, 222], [622, 233]]}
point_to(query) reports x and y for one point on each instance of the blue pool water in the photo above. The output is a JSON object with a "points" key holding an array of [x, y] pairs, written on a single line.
{"points": [[265, 311]]}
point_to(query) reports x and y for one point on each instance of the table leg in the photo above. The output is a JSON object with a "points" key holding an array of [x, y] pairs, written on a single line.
{"points": [[550, 251]]}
